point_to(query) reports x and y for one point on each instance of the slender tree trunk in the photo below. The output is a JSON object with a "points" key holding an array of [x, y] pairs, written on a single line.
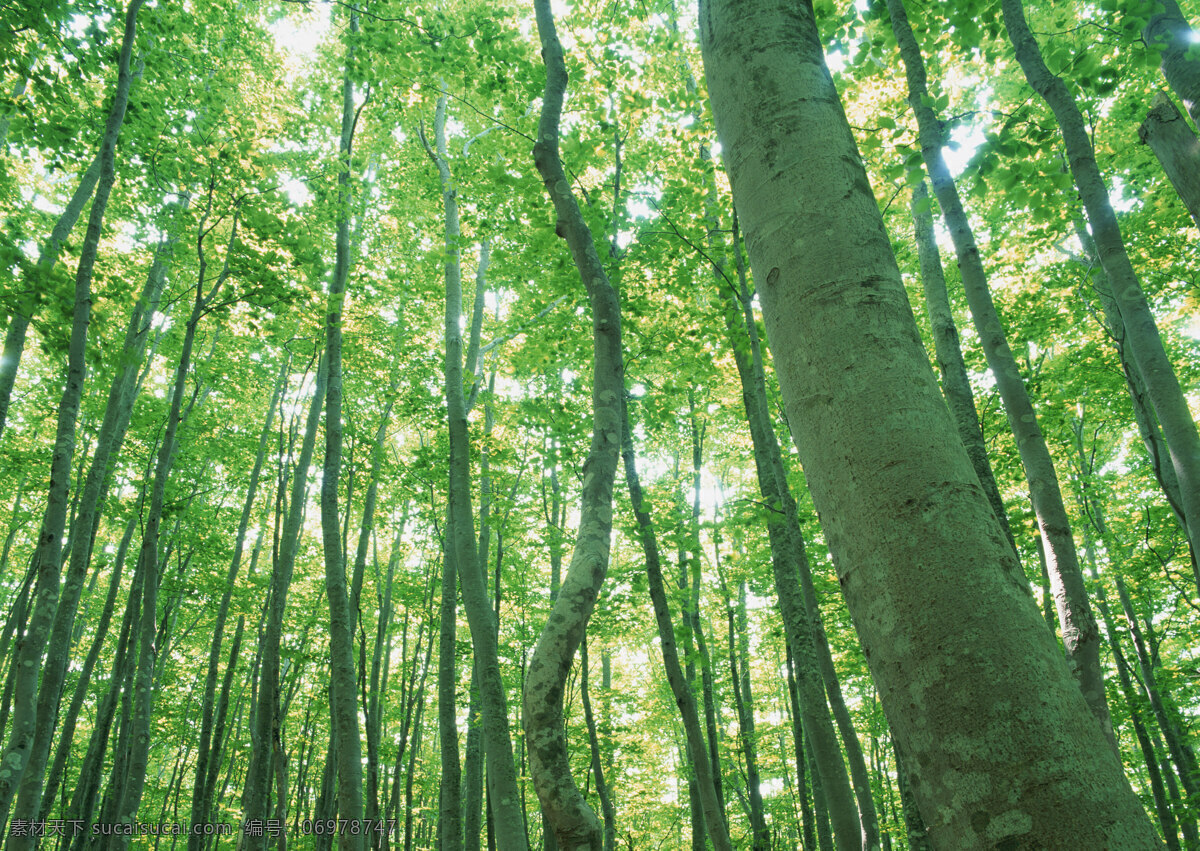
{"points": [[49, 553], [1081, 636], [67, 733], [597, 764], [202, 788], [574, 823], [955, 385], [343, 700], [18, 322], [267, 720], [808, 825], [90, 499], [1142, 337], [743, 699], [1148, 428], [685, 700], [461, 547], [927, 573]]}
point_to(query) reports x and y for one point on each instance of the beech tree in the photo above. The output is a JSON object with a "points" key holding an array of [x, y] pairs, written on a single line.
{"points": [[333, 551]]}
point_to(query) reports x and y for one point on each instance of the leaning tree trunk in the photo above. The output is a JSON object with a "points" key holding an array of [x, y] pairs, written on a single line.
{"points": [[117, 414], [798, 606], [1143, 340], [969, 677], [948, 350], [1177, 149], [1081, 635], [574, 823], [685, 699], [146, 676], [49, 551]]}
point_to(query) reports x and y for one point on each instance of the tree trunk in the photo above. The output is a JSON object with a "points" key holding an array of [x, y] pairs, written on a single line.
{"points": [[49, 552], [267, 720], [743, 698], [1178, 150], [597, 764], [461, 547], [1142, 338], [202, 787], [797, 600], [343, 698], [574, 823], [968, 676], [1169, 31], [1081, 636], [956, 386], [685, 700]]}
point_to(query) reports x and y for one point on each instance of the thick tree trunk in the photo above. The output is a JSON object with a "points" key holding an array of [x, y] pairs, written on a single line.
{"points": [[1167, 30], [1143, 340], [968, 676], [1081, 636], [574, 823], [1178, 150]]}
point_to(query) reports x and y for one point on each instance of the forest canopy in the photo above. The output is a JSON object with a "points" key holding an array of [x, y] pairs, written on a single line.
{"points": [[599, 425]]}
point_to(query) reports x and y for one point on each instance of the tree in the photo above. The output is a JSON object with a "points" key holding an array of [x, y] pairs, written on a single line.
{"points": [[883, 460]]}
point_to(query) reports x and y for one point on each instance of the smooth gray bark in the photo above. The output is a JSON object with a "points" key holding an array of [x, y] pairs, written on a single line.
{"points": [[948, 350], [1178, 150], [967, 674], [1168, 30], [1080, 634], [343, 697]]}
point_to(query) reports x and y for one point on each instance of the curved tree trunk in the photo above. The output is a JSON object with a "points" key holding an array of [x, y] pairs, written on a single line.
{"points": [[967, 673], [574, 823]]}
